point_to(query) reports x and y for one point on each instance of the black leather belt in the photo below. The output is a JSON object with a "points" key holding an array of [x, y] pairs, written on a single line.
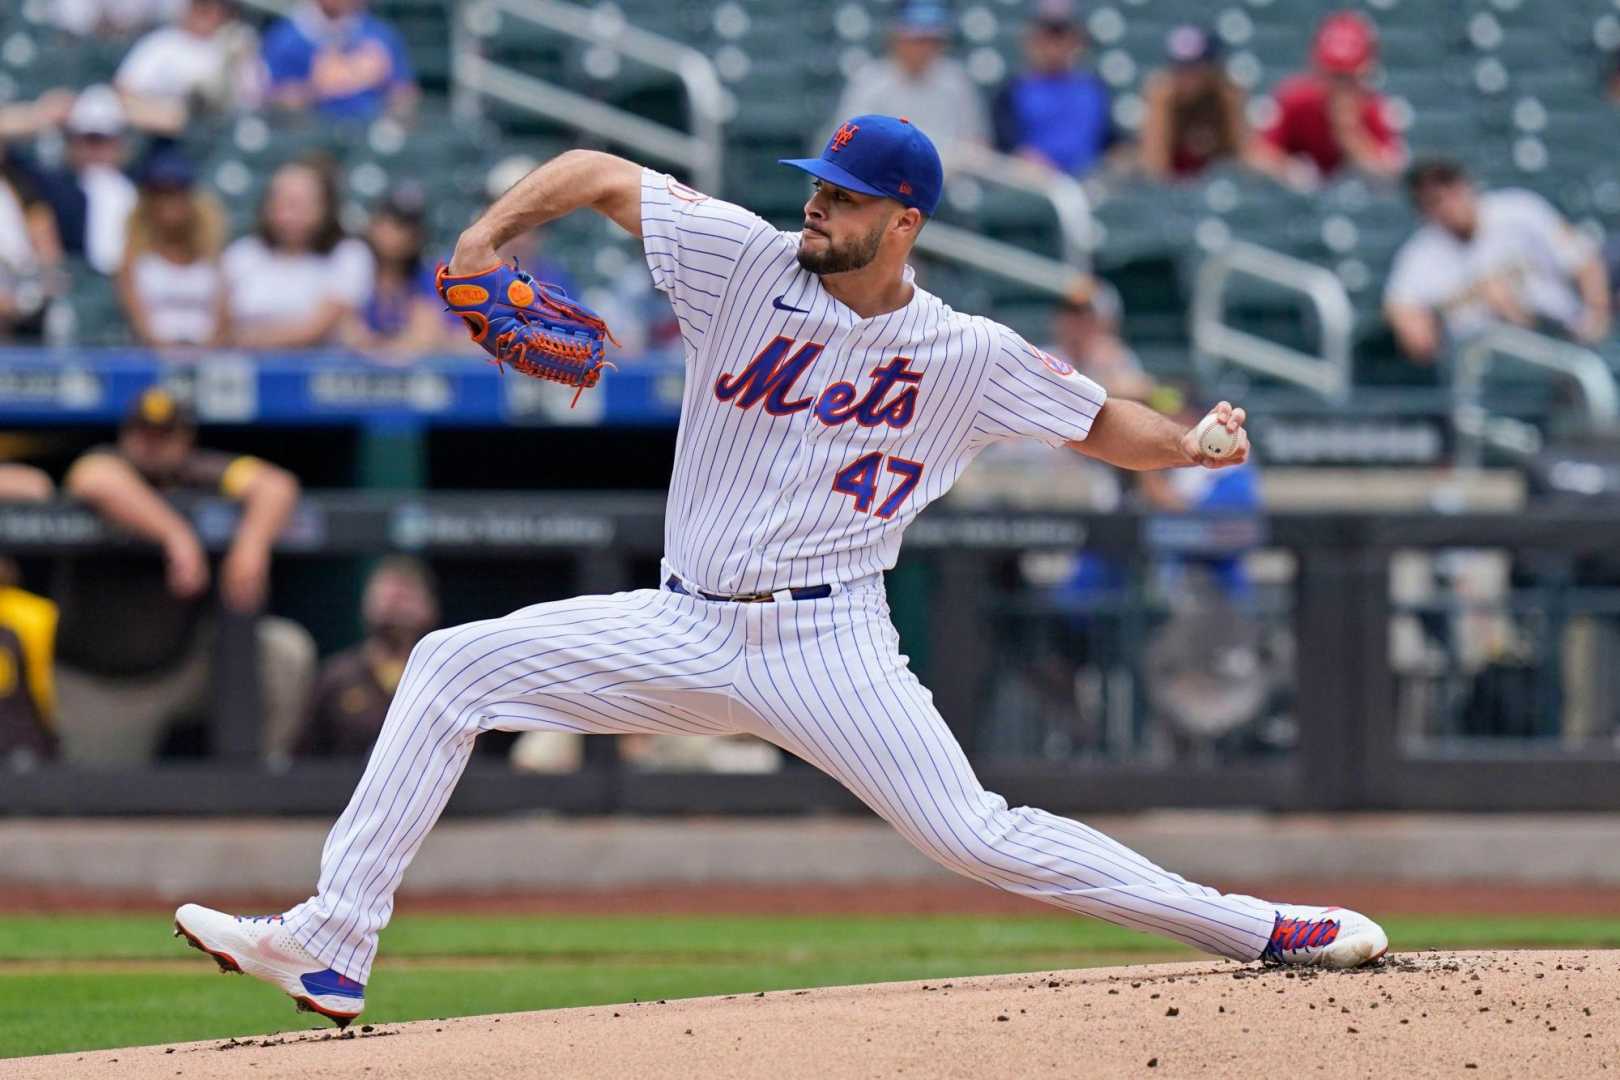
{"points": [[808, 592]]}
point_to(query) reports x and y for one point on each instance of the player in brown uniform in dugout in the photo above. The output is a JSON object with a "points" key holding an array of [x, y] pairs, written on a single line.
{"points": [[136, 637], [27, 642], [355, 687]]}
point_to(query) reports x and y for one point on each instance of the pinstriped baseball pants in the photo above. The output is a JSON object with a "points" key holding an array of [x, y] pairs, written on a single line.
{"points": [[823, 679]]}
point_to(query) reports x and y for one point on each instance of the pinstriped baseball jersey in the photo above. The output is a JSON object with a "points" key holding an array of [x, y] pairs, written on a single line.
{"points": [[811, 437]]}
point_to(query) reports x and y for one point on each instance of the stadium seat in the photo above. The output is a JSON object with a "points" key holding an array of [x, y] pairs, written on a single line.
{"points": [[98, 317]]}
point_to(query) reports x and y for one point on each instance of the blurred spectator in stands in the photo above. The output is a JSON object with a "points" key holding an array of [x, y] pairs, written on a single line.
{"points": [[135, 641], [30, 255], [919, 82], [297, 278], [1485, 257], [1195, 112], [403, 318], [355, 687], [1331, 119], [334, 58], [1054, 112], [91, 198], [1085, 332], [207, 59], [171, 285], [110, 18]]}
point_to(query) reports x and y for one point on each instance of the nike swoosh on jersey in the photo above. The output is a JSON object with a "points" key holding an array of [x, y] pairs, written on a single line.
{"points": [[779, 306]]}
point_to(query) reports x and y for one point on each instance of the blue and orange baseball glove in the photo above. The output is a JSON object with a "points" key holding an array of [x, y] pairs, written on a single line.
{"points": [[533, 326]]}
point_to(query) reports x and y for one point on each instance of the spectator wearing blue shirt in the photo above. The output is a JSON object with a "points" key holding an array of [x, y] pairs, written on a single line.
{"points": [[1054, 112], [331, 57], [403, 318]]}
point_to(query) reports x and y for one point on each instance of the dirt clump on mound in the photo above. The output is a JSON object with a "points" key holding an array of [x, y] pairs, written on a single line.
{"points": [[1501, 1014]]}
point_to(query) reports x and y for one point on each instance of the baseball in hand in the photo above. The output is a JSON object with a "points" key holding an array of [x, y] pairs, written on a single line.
{"points": [[1213, 437]]}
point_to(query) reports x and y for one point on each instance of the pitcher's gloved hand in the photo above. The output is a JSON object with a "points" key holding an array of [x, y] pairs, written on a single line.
{"points": [[531, 325]]}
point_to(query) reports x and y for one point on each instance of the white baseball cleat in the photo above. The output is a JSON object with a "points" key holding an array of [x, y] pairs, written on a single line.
{"points": [[1326, 937], [261, 946]]}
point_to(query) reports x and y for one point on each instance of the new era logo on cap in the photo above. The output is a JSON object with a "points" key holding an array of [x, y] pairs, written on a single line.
{"points": [[891, 158]]}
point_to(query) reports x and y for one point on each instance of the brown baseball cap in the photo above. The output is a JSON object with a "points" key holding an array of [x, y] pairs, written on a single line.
{"points": [[159, 409]]}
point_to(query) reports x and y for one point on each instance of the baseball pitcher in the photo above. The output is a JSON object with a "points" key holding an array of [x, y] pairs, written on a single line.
{"points": [[828, 401]]}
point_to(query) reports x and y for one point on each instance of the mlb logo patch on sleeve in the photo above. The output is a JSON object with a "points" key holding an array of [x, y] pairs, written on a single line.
{"points": [[684, 193], [1057, 365]]}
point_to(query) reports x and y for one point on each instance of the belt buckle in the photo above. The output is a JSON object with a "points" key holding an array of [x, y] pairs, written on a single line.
{"points": [[752, 598]]}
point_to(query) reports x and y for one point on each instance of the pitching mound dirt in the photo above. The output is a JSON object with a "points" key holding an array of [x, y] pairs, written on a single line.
{"points": [[1503, 1014]]}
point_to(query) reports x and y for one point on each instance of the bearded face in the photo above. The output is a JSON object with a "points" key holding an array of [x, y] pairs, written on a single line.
{"points": [[821, 253]]}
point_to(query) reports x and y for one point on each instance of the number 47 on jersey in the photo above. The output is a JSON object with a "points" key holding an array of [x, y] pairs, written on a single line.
{"points": [[860, 479], [891, 399]]}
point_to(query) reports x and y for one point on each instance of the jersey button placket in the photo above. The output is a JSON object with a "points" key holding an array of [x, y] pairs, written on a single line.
{"points": [[809, 431], [810, 434]]}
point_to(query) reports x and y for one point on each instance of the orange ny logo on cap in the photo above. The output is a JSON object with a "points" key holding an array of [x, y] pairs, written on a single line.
{"points": [[843, 135]]}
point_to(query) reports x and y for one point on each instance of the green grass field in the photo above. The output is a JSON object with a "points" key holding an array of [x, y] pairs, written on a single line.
{"points": [[77, 983]]}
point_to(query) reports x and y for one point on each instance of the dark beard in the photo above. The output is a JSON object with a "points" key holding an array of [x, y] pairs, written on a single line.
{"points": [[835, 260]]}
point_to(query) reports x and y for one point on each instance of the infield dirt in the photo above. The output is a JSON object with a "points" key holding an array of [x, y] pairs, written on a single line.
{"points": [[1487, 1014]]}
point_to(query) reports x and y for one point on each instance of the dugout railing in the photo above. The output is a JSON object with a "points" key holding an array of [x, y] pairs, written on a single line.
{"points": [[1348, 753]]}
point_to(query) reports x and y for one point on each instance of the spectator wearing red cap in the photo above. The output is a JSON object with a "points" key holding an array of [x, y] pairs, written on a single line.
{"points": [[1329, 119]]}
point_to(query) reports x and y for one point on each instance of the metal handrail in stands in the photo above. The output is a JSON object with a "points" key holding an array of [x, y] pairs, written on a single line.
{"points": [[1592, 379], [702, 150], [1066, 195], [998, 258], [1325, 372]]}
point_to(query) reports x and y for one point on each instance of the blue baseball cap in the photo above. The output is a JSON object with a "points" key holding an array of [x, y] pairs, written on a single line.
{"points": [[167, 167], [923, 19], [880, 155]]}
